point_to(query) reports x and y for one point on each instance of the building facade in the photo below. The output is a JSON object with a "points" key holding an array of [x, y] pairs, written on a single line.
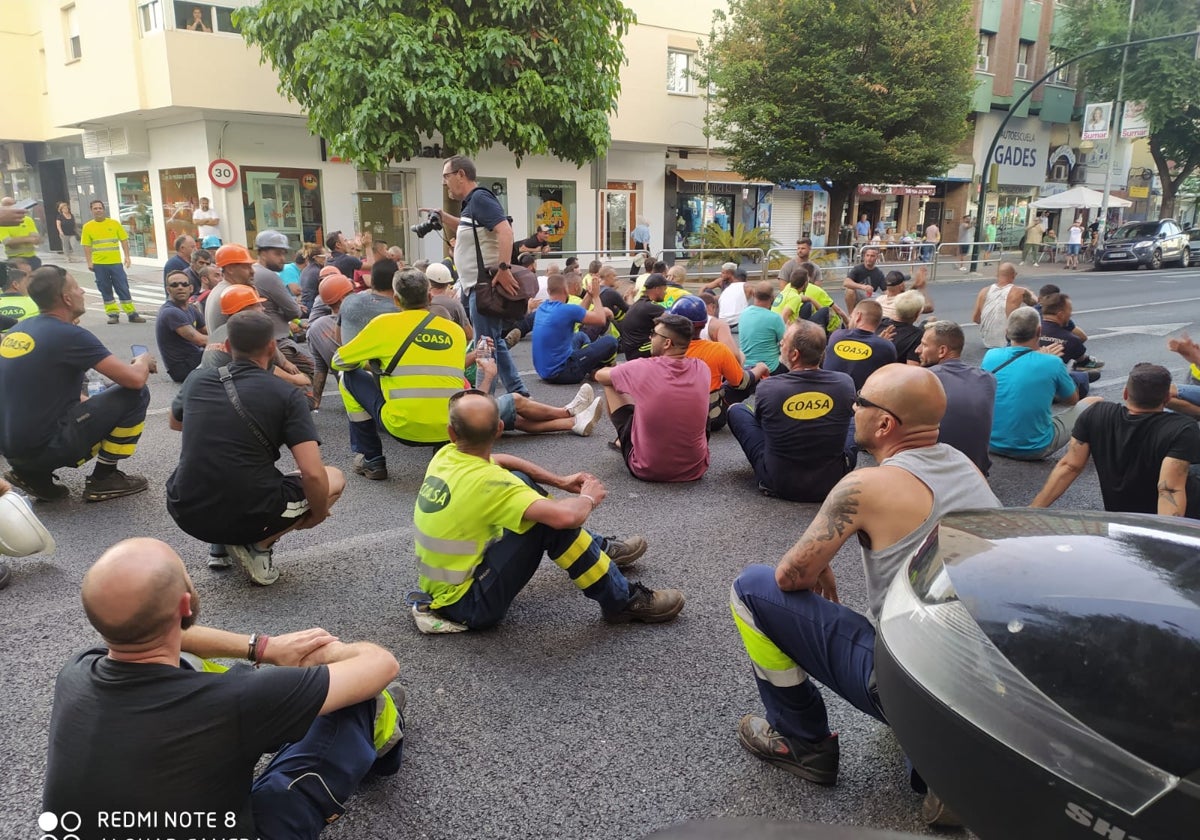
{"points": [[135, 101]]}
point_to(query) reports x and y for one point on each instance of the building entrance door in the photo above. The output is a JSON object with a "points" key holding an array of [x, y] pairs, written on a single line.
{"points": [[277, 205], [618, 210]]}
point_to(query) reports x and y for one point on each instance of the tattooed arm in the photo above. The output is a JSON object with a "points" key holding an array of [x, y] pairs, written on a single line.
{"points": [[806, 564], [1063, 475], [1172, 487]]}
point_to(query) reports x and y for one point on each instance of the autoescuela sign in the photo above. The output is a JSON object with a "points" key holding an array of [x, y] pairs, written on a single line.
{"points": [[1021, 152]]}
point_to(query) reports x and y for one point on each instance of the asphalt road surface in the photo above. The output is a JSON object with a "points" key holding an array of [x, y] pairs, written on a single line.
{"points": [[554, 724]]}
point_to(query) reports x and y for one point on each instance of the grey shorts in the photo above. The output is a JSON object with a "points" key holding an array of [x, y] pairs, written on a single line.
{"points": [[508, 411]]}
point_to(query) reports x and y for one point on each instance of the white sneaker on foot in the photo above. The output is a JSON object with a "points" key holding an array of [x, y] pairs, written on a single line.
{"points": [[256, 563], [582, 399], [585, 421]]}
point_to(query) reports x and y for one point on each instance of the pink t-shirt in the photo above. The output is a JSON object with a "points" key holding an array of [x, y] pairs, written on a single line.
{"points": [[671, 409]]}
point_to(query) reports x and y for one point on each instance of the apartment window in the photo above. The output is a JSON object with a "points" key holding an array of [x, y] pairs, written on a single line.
{"points": [[70, 21], [679, 71], [1024, 59], [983, 51], [150, 15], [1063, 76], [203, 17]]}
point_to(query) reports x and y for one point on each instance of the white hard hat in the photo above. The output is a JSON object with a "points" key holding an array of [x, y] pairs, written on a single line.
{"points": [[21, 533]]}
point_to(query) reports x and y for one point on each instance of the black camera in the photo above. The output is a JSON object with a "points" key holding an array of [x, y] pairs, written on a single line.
{"points": [[434, 222]]}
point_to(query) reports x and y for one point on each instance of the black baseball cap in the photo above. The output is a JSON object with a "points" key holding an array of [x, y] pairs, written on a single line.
{"points": [[655, 281]]}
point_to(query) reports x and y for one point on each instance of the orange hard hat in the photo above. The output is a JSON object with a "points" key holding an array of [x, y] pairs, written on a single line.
{"points": [[334, 288], [236, 298], [329, 271], [232, 253]]}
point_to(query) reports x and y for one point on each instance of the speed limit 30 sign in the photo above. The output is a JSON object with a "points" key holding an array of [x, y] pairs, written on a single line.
{"points": [[222, 173]]}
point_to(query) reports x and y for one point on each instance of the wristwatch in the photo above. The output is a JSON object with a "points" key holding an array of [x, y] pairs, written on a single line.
{"points": [[504, 266]]}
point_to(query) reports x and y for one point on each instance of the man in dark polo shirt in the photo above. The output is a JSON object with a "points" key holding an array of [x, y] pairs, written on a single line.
{"points": [[179, 329], [226, 489], [970, 392], [1056, 315], [539, 243], [796, 436], [856, 350]]}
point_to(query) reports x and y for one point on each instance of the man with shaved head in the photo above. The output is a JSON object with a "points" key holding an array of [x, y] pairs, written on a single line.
{"points": [[483, 523], [146, 724], [789, 617]]}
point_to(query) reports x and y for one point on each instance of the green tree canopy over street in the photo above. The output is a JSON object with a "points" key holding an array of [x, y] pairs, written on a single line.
{"points": [[377, 78], [1165, 76], [848, 92]]}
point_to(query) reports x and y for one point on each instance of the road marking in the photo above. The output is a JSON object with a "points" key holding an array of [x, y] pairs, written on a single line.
{"points": [[1159, 330], [1173, 302]]}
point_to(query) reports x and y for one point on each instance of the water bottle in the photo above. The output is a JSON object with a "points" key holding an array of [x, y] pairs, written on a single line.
{"points": [[483, 350], [94, 384]]}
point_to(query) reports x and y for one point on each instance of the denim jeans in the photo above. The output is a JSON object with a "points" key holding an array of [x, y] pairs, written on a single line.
{"points": [[308, 783], [827, 642], [585, 359], [364, 434], [509, 564], [506, 369]]}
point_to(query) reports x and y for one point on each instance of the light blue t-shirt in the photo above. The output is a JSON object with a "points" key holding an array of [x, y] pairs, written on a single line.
{"points": [[759, 332], [290, 274], [553, 327], [1025, 392]]}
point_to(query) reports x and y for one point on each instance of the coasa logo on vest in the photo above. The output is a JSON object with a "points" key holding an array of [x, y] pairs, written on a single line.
{"points": [[434, 495], [808, 406], [16, 344], [852, 351], [433, 340]]}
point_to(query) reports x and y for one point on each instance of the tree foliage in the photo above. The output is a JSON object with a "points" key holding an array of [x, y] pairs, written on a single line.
{"points": [[379, 78], [1165, 76], [846, 92]]}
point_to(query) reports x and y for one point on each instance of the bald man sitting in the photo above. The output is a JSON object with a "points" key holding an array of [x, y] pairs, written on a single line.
{"points": [[483, 524], [144, 724], [789, 617]]}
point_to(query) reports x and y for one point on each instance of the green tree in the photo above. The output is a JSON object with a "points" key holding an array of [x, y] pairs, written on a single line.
{"points": [[379, 78], [844, 93], [1165, 76]]}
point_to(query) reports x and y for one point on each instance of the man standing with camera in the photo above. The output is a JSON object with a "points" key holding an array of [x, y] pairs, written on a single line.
{"points": [[482, 228]]}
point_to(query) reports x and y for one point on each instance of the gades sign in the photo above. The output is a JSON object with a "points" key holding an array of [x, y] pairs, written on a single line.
{"points": [[1021, 153]]}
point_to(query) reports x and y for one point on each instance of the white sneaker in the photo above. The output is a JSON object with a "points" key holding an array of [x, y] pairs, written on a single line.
{"points": [[581, 400], [1035, 265], [585, 421], [256, 563]]}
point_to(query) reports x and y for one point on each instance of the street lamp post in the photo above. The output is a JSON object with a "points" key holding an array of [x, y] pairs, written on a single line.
{"points": [[1012, 110], [1102, 229]]}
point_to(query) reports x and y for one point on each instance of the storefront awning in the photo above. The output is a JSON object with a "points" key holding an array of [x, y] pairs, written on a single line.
{"points": [[810, 186], [896, 189], [717, 176]]}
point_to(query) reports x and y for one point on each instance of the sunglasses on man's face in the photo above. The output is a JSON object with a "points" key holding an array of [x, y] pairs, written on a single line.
{"points": [[179, 285], [863, 402]]}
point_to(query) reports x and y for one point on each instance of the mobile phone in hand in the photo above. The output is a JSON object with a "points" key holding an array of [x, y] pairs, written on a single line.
{"points": [[138, 350], [27, 204]]}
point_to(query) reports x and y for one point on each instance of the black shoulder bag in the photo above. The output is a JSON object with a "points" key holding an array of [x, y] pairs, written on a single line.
{"points": [[231, 392]]}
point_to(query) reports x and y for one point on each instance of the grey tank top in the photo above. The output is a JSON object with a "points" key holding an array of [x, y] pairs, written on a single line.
{"points": [[956, 484]]}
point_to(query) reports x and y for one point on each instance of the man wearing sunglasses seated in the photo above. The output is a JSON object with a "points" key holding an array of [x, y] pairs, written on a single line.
{"points": [[789, 617], [179, 328]]}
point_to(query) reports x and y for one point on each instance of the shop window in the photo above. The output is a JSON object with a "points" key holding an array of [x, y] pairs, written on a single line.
{"points": [[70, 21], [180, 197], [694, 213], [551, 203], [150, 16], [135, 212], [679, 71], [282, 199]]}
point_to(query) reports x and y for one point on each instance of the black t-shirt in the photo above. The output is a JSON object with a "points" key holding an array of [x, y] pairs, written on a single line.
{"points": [[42, 364], [907, 339], [530, 244], [1128, 450], [861, 274], [224, 473], [611, 298], [637, 324], [1052, 333], [805, 415], [141, 737]]}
